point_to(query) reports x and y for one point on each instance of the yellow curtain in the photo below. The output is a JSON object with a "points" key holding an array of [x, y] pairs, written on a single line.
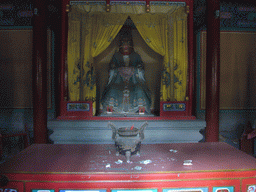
{"points": [[74, 62], [179, 53], [154, 30], [167, 35], [101, 29], [105, 27]]}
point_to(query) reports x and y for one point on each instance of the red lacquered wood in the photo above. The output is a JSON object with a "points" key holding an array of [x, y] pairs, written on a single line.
{"points": [[84, 167], [191, 67], [248, 182], [134, 185], [63, 59], [212, 72], [64, 115], [211, 157], [40, 72], [165, 177]]}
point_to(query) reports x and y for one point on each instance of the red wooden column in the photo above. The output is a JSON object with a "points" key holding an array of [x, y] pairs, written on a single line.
{"points": [[212, 71], [40, 71]]}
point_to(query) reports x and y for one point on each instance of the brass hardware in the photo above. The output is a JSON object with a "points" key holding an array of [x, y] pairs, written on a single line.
{"points": [[108, 7], [147, 8], [187, 9], [67, 8], [187, 98]]}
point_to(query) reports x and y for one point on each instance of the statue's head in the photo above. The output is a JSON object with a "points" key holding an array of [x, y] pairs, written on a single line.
{"points": [[126, 43]]}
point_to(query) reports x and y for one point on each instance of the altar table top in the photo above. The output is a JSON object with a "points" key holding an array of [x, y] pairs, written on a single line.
{"points": [[154, 158]]}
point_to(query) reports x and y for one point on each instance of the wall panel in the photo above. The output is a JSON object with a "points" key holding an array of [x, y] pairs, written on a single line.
{"points": [[237, 70]]}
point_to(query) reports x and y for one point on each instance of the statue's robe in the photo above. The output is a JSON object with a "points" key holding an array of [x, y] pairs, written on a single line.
{"points": [[126, 73]]}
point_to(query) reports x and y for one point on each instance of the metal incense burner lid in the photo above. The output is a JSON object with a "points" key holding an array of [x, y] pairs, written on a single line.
{"points": [[128, 139]]}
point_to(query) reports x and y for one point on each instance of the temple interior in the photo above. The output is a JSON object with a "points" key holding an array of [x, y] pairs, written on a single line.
{"points": [[31, 106], [127, 96]]}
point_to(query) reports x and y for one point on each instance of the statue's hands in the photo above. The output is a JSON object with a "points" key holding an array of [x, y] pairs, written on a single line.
{"points": [[129, 71], [140, 75], [126, 72], [111, 75], [126, 68]]}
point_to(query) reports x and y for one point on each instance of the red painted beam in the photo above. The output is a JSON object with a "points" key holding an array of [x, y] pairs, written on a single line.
{"points": [[212, 71], [40, 71]]}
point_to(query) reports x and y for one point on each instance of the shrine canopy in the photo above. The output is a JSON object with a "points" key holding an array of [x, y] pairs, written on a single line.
{"points": [[92, 29]]}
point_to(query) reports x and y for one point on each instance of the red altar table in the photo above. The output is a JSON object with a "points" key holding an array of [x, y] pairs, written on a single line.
{"points": [[175, 167]]}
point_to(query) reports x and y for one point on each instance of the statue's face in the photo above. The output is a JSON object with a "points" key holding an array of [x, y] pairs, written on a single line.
{"points": [[126, 46]]}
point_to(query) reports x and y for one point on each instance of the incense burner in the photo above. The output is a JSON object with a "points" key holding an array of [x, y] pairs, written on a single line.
{"points": [[128, 139]]}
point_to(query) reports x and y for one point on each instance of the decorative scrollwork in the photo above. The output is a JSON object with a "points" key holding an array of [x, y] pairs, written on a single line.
{"points": [[93, 99], [90, 79], [77, 80], [176, 80], [166, 77], [88, 64], [76, 71]]}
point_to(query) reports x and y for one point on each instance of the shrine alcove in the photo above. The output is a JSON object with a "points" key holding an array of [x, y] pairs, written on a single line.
{"points": [[84, 70], [152, 66], [160, 37]]}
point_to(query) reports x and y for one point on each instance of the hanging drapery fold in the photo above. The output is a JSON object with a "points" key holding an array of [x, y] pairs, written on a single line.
{"points": [[100, 32], [166, 34], [179, 53], [153, 28], [104, 32]]}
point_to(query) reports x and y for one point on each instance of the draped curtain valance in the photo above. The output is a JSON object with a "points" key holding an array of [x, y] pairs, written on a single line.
{"points": [[123, 7], [92, 29]]}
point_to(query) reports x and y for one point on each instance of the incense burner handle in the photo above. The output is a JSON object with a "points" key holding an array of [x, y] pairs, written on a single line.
{"points": [[114, 130], [141, 131]]}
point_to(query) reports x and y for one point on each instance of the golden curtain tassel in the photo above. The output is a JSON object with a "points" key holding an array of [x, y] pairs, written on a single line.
{"points": [[147, 8], [108, 7], [67, 8], [187, 9]]}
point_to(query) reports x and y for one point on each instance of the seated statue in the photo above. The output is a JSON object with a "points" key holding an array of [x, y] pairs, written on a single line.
{"points": [[126, 91]]}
